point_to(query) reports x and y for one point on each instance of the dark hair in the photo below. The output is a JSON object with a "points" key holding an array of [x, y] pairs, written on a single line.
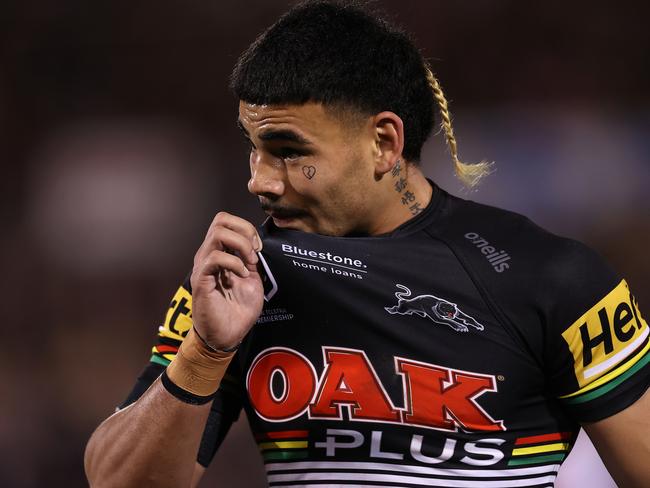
{"points": [[339, 54]]}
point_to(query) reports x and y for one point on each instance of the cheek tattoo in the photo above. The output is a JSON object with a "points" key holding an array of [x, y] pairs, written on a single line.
{"points": [[309, 171]]}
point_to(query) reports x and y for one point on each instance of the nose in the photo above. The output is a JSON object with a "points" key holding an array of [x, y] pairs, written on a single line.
{"points": [[267, 176]]}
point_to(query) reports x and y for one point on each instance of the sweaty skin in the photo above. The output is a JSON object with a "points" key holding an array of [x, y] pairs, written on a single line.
{"points": [[623, 443], [360, 185], [132, 448], [352, 190]]}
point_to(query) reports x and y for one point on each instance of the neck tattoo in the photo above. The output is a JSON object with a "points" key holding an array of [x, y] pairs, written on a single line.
{"points": [[408, 198]]}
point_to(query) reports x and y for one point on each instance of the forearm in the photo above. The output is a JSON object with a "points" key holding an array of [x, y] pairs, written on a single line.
{"points": [[153, 442]]}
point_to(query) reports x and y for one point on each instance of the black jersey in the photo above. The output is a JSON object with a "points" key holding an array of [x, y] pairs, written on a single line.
{"points": [[463, 349]]}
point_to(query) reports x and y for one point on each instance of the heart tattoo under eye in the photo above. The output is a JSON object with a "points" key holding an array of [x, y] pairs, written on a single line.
{"points": [[309, 171]]}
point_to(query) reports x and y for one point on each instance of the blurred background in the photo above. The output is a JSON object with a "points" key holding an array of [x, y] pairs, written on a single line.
{"points": [[118, 144]]}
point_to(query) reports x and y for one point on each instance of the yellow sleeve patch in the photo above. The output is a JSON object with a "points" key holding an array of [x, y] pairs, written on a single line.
{"points": [[178, 320], [606, 335]]}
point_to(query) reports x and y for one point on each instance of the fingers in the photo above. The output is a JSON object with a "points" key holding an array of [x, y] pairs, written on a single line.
{"points": [[230, 246], [218, 261], [238, 225], [226, 240], [231, 234]]}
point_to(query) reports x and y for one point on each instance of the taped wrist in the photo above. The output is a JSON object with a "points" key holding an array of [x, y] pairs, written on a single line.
{"points": [[196, 370], [184, 395]]}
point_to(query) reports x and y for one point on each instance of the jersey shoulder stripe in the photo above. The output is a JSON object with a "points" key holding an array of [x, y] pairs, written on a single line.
{"points": [[576, 317]]}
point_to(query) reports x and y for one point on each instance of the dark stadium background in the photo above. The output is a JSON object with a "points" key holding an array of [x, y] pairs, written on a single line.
{"points": [[118, 144]]}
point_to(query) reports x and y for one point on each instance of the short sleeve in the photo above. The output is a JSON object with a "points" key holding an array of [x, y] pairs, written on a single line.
{"points": [[227, 404], [597, 340], [169, 336], [177, 323]]}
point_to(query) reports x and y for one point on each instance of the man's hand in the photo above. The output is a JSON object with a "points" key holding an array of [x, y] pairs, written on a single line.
{"points": [[227, 291], [131, 448]]}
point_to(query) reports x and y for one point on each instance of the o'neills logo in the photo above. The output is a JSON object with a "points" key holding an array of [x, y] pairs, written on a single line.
{"points": [[496, 258], [283, 384]]}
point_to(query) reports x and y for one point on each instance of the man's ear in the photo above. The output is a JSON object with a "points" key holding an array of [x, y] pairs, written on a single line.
{"points": [[389, 140]]}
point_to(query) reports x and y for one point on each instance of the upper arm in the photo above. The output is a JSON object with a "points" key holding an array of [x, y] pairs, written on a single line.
{"points": [[603, 357], [599, 350], [623, 442], [597, 344], [198, 474]]}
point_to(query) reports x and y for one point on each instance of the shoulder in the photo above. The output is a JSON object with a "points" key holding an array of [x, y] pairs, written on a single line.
{"points": [[508, 250], [537, 283], [573, 313]]}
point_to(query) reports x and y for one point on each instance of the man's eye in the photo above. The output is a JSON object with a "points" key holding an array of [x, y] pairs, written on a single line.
{"points": [[288, 153]]}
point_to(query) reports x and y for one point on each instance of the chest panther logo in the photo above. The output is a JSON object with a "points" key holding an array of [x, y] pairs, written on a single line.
{"points": [[436, 309]]}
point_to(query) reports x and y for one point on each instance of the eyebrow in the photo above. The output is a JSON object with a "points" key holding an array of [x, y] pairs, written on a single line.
{"points": [[277, 135]]}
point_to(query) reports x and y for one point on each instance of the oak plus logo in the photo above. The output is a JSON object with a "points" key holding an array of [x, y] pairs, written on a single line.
{"points": [[436, 309], [283, 385], [497, 259]]}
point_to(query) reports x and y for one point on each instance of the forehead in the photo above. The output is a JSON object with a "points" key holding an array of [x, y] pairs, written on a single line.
{"points": [[310, 120]]}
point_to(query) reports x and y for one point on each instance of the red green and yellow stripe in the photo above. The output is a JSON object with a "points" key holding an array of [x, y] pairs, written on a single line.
{"points": [[611, 380], [552, 458], [537, 439], [283, 445], [539, 449], [163, 354]]}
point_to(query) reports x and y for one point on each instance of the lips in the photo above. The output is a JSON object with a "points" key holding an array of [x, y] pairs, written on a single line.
{"points": [[282, 213], [287, 219]]}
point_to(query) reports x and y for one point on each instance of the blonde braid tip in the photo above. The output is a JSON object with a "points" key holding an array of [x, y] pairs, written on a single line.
{"points": [[470, 174]]}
